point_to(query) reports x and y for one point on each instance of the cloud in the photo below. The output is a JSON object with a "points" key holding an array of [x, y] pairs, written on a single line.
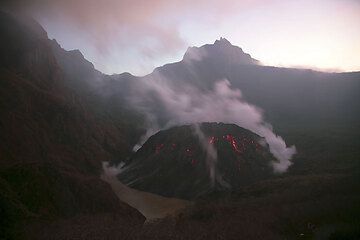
{"points": [[168, 105], [145, 26], [136, 36], [211, 153], [118, 29], [151, 27]]}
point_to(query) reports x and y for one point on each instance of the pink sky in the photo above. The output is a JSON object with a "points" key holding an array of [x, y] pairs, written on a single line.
{"points": [[136, 36]]}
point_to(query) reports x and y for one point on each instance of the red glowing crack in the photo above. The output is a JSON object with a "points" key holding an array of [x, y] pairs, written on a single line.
{"points": [[213, 140], [193, 162], [158, 147], [231, 139]]}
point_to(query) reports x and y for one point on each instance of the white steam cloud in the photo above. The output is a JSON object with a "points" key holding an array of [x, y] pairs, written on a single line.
{"points": [[211, 157], [166, 105], [211, 153]]}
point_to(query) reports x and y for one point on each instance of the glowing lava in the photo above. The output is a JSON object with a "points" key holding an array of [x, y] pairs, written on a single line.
{"points": [[193, 162], [158, 147], [213, 140], [231, 139]]}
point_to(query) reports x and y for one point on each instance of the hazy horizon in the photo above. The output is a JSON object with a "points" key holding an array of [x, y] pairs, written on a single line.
{"points": [[137, 36]]}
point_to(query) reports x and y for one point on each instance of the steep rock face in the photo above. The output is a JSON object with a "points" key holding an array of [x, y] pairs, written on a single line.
{"points": [[330, 97], [51, 143], [102, 97], [221, 52], [177, 163]]}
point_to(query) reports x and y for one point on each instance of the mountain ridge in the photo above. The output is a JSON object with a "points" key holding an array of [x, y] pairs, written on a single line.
{"points": [[220, 51], [52, 143]]}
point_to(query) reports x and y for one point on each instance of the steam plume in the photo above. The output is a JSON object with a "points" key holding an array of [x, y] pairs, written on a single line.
{"points": [[167, 105], [211, 153]]}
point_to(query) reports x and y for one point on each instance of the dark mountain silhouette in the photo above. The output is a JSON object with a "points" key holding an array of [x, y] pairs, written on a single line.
{"points": [[330, 97], [174, 162], [288, 96], [221, 52], [60, 118], [51, 142]]}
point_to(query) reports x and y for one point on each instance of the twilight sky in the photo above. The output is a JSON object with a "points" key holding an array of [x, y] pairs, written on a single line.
{"points": [[138, 35]]}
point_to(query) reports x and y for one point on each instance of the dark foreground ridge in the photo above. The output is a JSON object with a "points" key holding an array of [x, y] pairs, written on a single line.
{"points": [[51, 144]]}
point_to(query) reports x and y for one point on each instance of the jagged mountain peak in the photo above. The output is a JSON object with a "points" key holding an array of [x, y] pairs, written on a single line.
{"points": [[222, 41], [221, 51]]}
